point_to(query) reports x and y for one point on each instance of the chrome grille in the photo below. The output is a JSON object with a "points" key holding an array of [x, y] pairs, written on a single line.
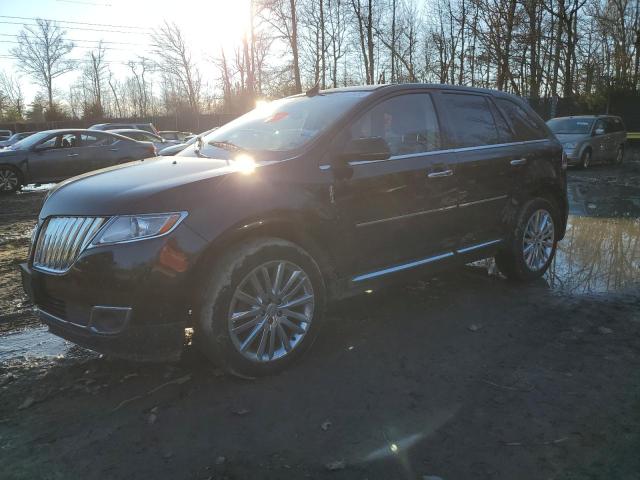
{"points": [[62, 239]]}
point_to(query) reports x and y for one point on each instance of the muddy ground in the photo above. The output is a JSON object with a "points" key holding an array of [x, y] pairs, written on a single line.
{"points": [[465, 376]]}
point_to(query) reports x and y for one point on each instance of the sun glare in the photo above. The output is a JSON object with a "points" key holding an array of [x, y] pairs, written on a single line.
{"points": [[245, 164]]}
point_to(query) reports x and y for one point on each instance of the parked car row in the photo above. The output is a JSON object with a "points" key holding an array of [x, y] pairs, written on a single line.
{"points": [[54, 155], [586, 139]]}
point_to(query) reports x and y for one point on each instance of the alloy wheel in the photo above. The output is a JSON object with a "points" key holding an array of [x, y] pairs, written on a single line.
{"points": [[8, 180], [271, 311], [537, 244], [586, 160]]}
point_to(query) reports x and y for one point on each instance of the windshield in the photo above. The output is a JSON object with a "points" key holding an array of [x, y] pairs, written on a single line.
{"points": [[281, 125], [30, 141], [570, 125]]}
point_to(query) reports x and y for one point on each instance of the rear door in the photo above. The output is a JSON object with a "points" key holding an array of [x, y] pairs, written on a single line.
{"points": [[98, 151], [615, 136], [482, 167], [56, 158], [392, 211], [599, 140]]}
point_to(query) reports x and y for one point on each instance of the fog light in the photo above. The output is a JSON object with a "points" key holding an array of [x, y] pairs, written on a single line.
{"points": [[109, 320]]}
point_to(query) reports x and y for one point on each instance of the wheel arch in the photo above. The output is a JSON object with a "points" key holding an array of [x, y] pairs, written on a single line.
{"points": [[556, 195], [303, 232]]}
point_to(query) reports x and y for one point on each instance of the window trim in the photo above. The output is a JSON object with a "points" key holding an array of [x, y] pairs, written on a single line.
{"points": [[356, 163]]}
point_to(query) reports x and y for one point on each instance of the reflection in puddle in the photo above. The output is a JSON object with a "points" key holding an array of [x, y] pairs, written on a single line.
{"points": [[597, 255]]}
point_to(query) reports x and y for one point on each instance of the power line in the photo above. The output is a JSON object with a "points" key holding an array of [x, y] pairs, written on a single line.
{"points": [[78, 28], [78, 40], [86, 3], [76, 23], [88, 47]]}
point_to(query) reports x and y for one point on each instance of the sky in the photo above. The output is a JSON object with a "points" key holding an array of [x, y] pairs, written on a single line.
{"points": [[208, 26]]}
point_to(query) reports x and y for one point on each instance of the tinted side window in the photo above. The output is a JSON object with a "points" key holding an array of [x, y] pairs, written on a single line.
{"points": [[600, 125], [472, 120], [408, 124], [526, 126], [96, 140]]}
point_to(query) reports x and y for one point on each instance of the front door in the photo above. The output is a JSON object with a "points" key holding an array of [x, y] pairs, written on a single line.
{"points": [[395, 212]]}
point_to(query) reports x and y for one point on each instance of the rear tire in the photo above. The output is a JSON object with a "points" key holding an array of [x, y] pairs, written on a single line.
{"points": [[585, 159], [10, 180], [532, 244], [249, 322]]}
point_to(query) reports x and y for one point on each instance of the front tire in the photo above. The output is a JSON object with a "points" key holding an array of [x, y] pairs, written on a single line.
{"points": [[10, 180], [261, 308], [532, 244]]}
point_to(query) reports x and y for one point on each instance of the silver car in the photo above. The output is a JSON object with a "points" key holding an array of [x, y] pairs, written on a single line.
{"points": [[15, 138], [588, 139], [54, 155], [145, 136]]}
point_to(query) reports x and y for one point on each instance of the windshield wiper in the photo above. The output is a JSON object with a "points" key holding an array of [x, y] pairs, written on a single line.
{"points": [[199, 145], [225, 145]]}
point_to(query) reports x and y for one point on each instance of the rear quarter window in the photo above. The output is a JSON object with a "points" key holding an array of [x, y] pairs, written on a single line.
{"points": [[525, 125]]}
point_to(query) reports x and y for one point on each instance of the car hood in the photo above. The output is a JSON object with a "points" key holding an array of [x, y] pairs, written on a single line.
{"points": [[152, 185], [571, 137]]}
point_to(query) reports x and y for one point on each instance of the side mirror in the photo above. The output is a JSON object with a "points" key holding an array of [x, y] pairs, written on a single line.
{"points": [[599, 131], [365, 149]]}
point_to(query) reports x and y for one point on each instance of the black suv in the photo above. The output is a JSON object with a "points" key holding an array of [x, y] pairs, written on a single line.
{"points": [[248, 233]]}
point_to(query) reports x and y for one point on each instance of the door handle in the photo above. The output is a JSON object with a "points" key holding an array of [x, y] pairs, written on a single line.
{"points": [[72, 155], [114, 149], [442, 173], [519, 161]]}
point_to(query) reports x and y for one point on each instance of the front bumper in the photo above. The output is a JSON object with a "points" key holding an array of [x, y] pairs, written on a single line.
{"points": [[130, 301]]}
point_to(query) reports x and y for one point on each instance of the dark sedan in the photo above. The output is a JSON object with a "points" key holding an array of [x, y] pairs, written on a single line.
{"points": [[55, 155]]}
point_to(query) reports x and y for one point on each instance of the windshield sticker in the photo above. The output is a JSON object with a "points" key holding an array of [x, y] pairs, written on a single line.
{"points": [[276, 117]]}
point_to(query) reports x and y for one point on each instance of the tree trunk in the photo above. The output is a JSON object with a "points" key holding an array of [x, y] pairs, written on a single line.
{"points": [[294, 47]]}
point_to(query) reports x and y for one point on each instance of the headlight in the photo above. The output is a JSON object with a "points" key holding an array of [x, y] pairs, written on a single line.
{"points": [[570, 145], [127, 228]]}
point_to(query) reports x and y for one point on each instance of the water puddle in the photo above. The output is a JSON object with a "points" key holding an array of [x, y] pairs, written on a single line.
{"points": [[597, 255], [32, 342]]}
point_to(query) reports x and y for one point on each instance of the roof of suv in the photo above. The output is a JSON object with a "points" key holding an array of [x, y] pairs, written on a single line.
{"points": [[410, 86]]}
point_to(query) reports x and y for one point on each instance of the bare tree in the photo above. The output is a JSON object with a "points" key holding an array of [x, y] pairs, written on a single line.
{"points": [[42, 54], [174, 60], [282, 16], [12, 97], [94, 76]]}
